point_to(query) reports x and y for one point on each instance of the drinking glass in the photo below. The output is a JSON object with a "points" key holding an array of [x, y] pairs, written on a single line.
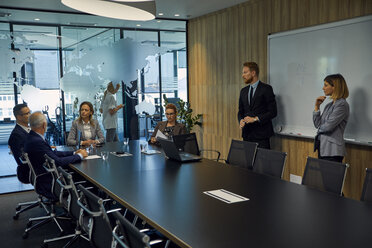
{"points": [[104, 155], [143, 147], [126, 141]]}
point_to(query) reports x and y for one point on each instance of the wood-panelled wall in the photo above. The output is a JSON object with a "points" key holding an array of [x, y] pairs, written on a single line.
{"points": [[220, 42]]}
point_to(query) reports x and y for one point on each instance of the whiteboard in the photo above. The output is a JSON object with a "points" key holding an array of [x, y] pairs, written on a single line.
{"points": [[300, 59]]}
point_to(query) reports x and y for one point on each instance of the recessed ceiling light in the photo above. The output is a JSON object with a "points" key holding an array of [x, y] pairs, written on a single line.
{"points": [[176, 14], [158, 21], [138, 25], [161, 14], [37, 19]]}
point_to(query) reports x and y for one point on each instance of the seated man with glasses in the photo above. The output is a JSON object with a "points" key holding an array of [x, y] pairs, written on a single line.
{"points": [[170, 127], [17, 139]]}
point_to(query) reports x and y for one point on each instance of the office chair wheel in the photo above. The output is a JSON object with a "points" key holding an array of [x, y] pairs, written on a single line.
{"points": [[15, 217], [18, 208], [29, 224], [25, 235]]}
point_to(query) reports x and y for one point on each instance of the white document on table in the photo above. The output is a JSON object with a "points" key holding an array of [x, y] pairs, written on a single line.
{"points": [[151, 152], [159, 134], [92, 157], [226, 196]]}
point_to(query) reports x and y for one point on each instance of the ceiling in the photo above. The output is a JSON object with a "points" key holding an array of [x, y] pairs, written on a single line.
{"points": [[185, 8]]}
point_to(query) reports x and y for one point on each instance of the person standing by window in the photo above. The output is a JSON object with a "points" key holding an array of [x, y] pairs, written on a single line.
{"points": [[109, 108]]}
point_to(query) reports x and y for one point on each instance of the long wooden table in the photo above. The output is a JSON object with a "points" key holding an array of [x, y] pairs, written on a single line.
{"points": [[169, 195]]}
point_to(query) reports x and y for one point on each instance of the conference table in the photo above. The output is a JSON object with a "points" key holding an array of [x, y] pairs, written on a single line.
{"points": [[169, 196]]}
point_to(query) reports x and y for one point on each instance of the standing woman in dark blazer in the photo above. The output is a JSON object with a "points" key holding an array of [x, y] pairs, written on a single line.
{"points": [[332, 122], [89, 128], [170, 127]]}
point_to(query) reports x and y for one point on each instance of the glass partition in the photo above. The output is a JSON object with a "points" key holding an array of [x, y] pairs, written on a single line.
{"points": [[7, 100], [174, 66], [44, 65], [54, 67], [37, 74]]}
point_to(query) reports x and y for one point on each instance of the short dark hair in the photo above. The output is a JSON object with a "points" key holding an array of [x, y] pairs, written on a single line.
{"points": [[17, 109], [252, 67]]}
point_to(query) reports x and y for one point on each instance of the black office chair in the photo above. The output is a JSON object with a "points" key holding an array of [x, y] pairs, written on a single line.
{"points": [[325, 175], [65, 136], [24, 206], [367, 187], [269, 162], [189, 143], [49, 205], [242, 153], [100, 234], [127, 235], [83, 226]]}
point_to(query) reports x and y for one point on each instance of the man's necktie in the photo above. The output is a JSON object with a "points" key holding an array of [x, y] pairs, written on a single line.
{"points": [[250, 95]]}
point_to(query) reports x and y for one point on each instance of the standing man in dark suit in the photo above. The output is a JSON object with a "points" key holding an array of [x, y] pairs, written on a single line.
{"points": [[257, 107], [17, 139], [36, 147]]}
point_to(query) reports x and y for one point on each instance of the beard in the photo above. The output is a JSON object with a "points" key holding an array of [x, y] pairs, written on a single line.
{"points": [[248, 81]]}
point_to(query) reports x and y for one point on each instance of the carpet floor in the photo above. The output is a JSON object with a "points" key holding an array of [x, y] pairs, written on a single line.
{"points": [[11, 230]]}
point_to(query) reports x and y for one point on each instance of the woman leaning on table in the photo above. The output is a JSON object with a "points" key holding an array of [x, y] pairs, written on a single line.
{"points": [[170, 127], [332, 122], [89, 128]]}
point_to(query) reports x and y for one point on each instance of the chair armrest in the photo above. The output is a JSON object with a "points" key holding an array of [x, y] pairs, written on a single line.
{"points": [[113, 210], [91, 213], [62, 185], [80, 182], [211, 150]]}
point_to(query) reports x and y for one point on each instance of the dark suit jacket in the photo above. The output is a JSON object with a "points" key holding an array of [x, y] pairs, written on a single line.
{"points": [[16, 142], [263, 106], [36, 147], [178, 128]]}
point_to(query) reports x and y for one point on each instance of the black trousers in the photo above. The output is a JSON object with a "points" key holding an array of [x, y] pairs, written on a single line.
{"points": [[332, 158], [262, 143]]}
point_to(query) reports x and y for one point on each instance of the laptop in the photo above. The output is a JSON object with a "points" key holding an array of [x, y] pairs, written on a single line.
{"points": [[172, 152]]}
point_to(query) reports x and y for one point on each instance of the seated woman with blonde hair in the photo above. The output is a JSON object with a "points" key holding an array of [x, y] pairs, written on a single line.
{"points": [[170, 127], [89, 128]]}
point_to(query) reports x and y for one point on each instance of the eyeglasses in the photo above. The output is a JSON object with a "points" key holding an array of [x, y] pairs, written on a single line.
{"points": [[169, 114], [29, 112]]}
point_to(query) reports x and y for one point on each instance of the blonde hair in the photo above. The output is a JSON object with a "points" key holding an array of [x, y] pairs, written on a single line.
{"points": [[340, 89], [110, 88]]}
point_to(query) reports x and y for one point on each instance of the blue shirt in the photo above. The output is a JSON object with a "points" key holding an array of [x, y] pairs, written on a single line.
{"points": [[254, 87]]}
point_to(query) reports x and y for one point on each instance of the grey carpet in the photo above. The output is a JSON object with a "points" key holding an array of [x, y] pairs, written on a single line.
{"points": [[11, 230]]}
